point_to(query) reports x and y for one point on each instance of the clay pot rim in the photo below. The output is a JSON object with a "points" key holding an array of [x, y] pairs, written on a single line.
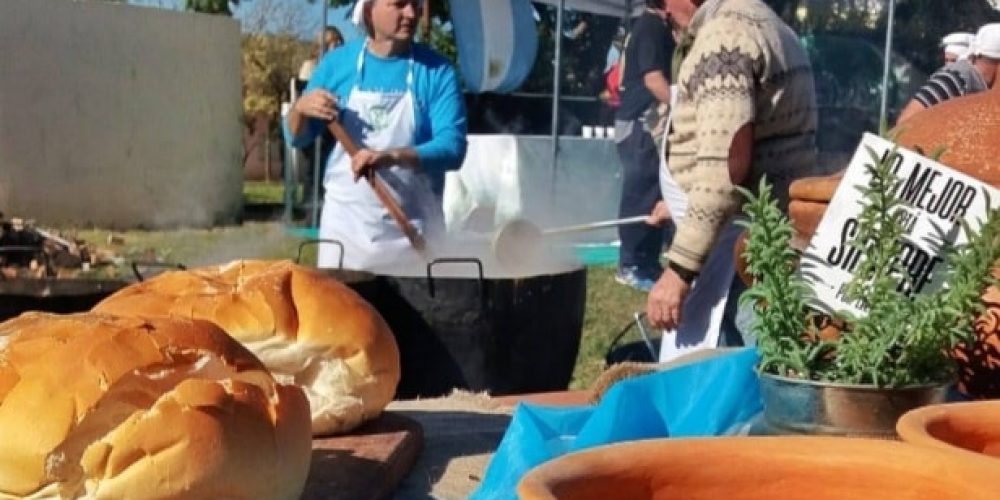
{"points": [[856, 387], [913, 425], [538, 483]]}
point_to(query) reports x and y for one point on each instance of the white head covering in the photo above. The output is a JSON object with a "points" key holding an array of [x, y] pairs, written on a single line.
{"points": [[358, 15], [988, 41], [958, 44]]}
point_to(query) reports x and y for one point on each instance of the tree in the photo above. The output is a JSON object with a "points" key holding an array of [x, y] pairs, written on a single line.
{"points": [[919, 24], [272, 54], [586, 39]]}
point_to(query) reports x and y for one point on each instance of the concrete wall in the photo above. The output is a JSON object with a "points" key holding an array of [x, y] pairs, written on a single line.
{"points": [[119, 116]]}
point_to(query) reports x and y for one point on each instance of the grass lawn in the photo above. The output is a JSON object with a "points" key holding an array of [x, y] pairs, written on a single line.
{"points": [[609, 305], [263, 192]]}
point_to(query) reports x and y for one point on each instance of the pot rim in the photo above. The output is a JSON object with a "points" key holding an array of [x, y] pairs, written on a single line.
{"points": [[855, 387]]}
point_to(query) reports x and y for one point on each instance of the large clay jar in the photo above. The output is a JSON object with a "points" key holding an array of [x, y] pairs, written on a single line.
{"points": [[789, 468], [979, 362], [964, 428], [967, 128]]}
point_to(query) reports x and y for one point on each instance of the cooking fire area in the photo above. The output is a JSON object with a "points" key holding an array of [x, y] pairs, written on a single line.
{"points": [[47, 271]]}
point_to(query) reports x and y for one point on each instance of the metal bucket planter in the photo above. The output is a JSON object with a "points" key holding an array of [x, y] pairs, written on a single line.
{"points": [[796, 406]]}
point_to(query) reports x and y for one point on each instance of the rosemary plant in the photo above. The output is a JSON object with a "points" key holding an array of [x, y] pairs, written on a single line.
{"points": [[902, 340], [779, 295]]}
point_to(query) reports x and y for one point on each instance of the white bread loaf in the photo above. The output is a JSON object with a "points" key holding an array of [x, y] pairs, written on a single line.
{"points": [[96, 406], [307, 328]]}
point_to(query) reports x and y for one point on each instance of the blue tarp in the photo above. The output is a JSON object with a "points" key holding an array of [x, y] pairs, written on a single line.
{"points": [[714, 397]]}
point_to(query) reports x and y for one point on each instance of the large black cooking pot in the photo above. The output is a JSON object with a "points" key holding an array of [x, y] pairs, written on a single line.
{"points": [[55, 295], [458, 327]]}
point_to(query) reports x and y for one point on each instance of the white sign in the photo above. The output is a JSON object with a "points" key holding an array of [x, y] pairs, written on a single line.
{"points": [[935, 198]]}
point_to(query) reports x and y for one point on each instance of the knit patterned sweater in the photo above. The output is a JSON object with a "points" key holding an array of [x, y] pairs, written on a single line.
{"points": [[744, 66]]}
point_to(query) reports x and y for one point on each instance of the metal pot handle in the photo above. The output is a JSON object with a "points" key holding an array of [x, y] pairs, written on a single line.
{"points": [[141, 278], [49, 271], [340, 262], [456, 260], [640, 323]]}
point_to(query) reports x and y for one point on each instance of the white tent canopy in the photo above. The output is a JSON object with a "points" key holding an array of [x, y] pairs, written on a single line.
{"points": [[605, 7]]}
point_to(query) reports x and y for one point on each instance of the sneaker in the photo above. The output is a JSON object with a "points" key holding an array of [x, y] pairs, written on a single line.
{"points": [[631, 276]]}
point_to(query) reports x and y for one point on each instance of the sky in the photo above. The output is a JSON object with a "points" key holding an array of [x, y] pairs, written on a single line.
{"points": [[310, 13]]}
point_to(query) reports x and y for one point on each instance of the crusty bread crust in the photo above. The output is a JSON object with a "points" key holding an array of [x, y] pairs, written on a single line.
{"points": [[305, 326], [99, 406]]}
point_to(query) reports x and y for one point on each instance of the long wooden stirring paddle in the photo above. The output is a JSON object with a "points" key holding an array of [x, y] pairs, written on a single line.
{"points": [[416, 240]]}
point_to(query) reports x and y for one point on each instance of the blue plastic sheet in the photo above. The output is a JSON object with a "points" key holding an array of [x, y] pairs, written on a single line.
{"points": [[707, 398]]}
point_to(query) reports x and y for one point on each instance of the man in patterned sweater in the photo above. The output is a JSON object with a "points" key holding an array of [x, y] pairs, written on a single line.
{"points": [[962, 77], [746, 108]]}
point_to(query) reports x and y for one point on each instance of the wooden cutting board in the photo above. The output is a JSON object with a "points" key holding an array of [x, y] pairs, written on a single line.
{"points": [[367, 464]]}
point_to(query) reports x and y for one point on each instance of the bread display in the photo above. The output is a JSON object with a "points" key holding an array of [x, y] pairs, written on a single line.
{"points": [[306, 327], [96, 406]]}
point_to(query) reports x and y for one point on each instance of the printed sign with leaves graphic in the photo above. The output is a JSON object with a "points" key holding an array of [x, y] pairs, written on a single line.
{"points": [[936, 200]]}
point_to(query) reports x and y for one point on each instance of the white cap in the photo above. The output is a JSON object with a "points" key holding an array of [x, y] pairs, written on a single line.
{"points": [[961, 51], [988, 41], [959, 38], [959, 44], [358, 15]]}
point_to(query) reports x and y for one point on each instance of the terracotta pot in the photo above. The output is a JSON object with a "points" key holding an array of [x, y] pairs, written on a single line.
{"points": [[966, 128], [965, 428], [748, 468], [979, 363]]}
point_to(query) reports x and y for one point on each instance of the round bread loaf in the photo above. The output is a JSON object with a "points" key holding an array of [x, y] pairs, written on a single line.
{"points": [[967, 128], [97, 406], [307, 328]]}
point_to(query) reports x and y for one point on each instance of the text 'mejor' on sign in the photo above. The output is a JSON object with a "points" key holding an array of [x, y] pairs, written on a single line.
{"points": [[934, 197]]}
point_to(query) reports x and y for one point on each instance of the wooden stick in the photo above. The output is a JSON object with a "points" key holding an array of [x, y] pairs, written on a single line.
{"points": [[381, 191]]}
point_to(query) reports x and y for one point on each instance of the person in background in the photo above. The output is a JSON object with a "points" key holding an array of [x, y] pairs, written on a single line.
{"points": [[645, 70], [401, 102], [962, 77], [746, 108], [956, 46], [610, 96], [329, 39]]}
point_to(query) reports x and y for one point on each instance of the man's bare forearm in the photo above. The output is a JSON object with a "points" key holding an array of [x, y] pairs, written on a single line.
{"points": [[658, 85]]}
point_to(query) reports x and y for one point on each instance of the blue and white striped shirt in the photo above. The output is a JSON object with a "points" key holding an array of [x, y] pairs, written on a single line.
{"points": [[954, 80]]}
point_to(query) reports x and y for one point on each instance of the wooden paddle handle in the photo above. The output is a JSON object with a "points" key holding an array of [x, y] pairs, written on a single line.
{"points": [[347, 142]]}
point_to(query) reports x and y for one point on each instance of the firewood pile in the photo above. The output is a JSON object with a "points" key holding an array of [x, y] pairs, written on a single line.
{"points": [[27, 251]]}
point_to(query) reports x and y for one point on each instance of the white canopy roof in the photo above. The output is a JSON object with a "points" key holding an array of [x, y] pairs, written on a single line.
{"points": [[604, 7]]}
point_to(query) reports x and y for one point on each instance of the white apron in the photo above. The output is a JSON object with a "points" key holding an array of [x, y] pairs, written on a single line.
{"points": [[352, 213], [705, 305]]}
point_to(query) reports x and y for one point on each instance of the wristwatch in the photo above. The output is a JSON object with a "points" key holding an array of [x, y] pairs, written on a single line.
{"points": [[685, 274]]}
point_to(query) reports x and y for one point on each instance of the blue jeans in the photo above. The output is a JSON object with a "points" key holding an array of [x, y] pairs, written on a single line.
{"points": [[641, 244]]}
